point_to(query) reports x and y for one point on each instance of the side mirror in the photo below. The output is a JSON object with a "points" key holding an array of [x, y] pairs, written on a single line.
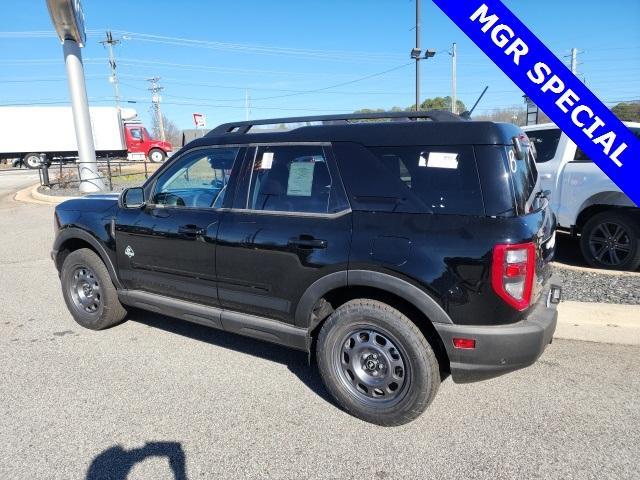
{"points": [[132, 198]]}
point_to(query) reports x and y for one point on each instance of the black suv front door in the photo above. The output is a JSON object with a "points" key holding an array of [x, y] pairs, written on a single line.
{"points": [[289, 226], [168, 247]]}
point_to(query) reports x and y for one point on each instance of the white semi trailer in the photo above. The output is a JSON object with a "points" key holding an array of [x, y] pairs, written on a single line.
{"points": [[26, 133]]}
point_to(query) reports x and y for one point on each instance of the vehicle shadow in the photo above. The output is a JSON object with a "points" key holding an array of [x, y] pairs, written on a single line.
{"points": [[297, 362], [568, 251], [116, 463]]}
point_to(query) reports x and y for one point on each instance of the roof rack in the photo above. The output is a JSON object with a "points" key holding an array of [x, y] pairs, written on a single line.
{"points": [[433, 115]]}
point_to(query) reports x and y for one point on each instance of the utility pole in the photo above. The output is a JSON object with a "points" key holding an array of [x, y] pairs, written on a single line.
{"points": [[110, 42], [247, 104], [574, 61], [155, 90], [454, 78]]}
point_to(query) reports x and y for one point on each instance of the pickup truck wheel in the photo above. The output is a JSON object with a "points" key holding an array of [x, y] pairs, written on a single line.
{"points": [[611, 240], [156, 155], [376, 363], [31, 160], [88, 291]]}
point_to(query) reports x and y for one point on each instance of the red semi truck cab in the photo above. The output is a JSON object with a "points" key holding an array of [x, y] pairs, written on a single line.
{"points": [[141, 145]]}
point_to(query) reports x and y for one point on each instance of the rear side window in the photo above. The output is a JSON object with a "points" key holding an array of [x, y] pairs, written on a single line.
{"points": [[582, 157], [546, 143], [444, 178], [292, 178]]}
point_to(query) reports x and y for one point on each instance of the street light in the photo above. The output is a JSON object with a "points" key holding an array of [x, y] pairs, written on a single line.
{"points": [[68, 19]]}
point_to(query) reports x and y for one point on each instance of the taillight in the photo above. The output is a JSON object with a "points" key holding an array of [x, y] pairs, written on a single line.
{"points": [[513, 272]]}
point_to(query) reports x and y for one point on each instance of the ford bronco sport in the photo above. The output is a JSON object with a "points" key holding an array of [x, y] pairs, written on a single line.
{"points": [[395, 252]]}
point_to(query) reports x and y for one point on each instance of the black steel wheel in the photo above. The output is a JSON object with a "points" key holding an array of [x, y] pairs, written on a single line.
{"points": [[611, 240], [88, 291], [376, 363], [371, 365], [84, 290]]}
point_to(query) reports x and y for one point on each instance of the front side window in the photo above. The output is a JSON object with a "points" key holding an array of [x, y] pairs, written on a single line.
{"points": [[582, 157], [198, 180], [444, 178], [291, 178], [136, 133], [545, 143]]}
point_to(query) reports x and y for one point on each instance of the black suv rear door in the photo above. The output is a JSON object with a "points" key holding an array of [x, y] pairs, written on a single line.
{"points": [[289, 226]]}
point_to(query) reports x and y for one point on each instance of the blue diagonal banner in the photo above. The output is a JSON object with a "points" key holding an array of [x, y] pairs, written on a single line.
{"points": [[552, 86]]}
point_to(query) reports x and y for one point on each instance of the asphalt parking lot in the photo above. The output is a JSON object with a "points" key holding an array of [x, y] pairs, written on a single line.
{"points": [[156, 398]]}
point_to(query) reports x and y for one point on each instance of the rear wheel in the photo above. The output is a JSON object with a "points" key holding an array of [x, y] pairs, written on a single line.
{"points": [[88, 291], [376, 363], [611, 240], [156, 155], [32, 160]]}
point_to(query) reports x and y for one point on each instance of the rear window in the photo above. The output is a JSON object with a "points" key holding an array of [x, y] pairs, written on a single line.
{"points": [[545, 142], [524, 175], [444, 178]]}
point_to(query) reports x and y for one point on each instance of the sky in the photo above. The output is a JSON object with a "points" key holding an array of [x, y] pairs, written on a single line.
{"points": [[292, 58]]}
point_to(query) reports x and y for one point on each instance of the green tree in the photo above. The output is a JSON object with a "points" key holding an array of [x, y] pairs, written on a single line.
{"points": [[438, 103], [627, 111]]}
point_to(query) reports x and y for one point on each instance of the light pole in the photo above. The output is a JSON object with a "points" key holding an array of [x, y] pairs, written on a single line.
{"points": [[68, 20], [416, 53]]}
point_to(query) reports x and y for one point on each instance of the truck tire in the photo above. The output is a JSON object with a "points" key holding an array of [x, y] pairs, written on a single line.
{"points": [[376, 363], [88, 291], [156, 155], [611, 240], [31, 160]]}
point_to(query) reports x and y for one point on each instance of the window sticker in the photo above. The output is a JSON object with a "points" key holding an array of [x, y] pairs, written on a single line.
{"points": [[267, 161], [439, 160], [300, 179]]}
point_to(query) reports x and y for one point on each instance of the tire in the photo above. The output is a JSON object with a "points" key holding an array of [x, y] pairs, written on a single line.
{"points": [[156, 155], [400, 347], [88, 291], [31, 160], [611, 240]]}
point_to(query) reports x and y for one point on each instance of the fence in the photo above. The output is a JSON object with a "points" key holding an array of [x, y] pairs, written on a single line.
{"points": [[115, 173]]}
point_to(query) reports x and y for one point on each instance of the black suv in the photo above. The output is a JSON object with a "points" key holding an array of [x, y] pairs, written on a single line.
{"points": [[395, 248]]}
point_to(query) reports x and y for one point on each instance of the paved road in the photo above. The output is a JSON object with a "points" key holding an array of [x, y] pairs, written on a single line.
{"points": [[13, 180], [155, 394]]}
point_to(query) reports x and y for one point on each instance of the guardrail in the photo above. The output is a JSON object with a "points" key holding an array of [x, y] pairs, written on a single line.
{"points": [[110, 171]]}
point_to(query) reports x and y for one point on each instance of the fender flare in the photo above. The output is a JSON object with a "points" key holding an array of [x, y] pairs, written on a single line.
{"points": [[71, 233], [368, 278]]}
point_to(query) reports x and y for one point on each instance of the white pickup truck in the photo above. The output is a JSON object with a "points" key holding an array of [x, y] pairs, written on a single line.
{"points": [[587, 203]]}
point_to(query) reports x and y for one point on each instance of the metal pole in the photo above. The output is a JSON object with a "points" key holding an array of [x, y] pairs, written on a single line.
{"points": [[418, 56], [574, 61], [454, 79], [88, 167], [110, 42]]}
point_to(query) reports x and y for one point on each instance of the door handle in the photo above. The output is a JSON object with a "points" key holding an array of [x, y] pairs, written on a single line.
{"points": [[545, 175], [307, 241], [191, 231]]}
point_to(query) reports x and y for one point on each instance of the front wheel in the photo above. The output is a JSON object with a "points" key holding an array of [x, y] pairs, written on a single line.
{"points": [[156, 155], [611, 240], [88, 291], [376, 363]]}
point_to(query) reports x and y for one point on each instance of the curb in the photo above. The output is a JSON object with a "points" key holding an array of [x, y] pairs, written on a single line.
{"points": [[31, 195], [597, 271], [599, 322]]}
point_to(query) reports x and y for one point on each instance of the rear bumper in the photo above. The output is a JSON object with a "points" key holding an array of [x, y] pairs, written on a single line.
{"points": [[505, 348]]}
